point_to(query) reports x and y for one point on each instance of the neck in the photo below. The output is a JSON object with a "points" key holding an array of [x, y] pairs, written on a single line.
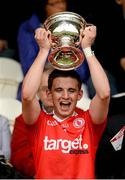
{"points": [[61, 120], [47, 109]]}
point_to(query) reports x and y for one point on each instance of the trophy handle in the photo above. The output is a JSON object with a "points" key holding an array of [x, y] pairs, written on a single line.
{"points": [[89, 24]]}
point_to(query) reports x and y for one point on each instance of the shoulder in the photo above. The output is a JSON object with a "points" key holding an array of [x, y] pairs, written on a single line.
{"points": [[79, 110], [19, 118]]}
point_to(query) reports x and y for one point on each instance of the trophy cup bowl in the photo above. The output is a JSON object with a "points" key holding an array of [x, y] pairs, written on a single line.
{"points": [[65, 28]]}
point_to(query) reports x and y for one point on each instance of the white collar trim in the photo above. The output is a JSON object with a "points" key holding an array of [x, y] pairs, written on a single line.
{"points": [[61, 120]]}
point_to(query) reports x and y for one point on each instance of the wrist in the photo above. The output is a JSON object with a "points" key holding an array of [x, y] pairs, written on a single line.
{"points": [[88, 52], [44, 51]]}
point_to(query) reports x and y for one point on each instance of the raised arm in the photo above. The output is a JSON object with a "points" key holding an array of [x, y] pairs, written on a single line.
{"points": [[100, 103], [31, 83]]}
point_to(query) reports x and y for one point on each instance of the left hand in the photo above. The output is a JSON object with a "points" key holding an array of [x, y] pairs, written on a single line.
{"points": [[88, 36]]}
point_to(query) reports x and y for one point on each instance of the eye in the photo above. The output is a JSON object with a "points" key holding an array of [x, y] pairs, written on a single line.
{"points": [[58, 89], [71, 90]]}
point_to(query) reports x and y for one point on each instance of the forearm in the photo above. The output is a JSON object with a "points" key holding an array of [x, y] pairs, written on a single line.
{"points": [[97, 73], [99, 77], [100, 102]]}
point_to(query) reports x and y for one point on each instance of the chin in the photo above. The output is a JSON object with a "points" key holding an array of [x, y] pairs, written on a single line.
{"points": [[65, 114]]}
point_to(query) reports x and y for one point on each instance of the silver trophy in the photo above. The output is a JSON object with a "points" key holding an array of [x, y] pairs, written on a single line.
{"points": [[65, 35]]}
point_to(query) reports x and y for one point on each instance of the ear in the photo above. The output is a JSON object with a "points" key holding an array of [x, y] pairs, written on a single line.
{"points": [[119, 2], [48, 92], [80, 94]]}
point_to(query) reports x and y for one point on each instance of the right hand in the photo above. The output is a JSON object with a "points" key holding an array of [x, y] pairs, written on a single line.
{"points": [[88, 36], [43, 38]]}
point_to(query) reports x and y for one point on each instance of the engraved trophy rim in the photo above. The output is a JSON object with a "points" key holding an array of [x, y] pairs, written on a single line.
{"points": [[65, 15]]}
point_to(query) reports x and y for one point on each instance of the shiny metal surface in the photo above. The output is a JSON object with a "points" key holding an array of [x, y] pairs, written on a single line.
{"points": [[65, 30]]}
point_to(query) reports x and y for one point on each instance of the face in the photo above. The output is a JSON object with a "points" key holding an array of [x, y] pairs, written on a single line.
{"points": [[55, 6], [65, 94], [42, 93]]}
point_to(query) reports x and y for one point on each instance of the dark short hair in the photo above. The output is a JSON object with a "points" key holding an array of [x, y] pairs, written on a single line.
{"points": [[59, 73]]}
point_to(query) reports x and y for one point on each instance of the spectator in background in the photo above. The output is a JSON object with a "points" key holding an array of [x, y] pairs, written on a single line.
{"points": [[110, 156], [121, 3], [28, 48], [21, 151], [7, 171], [5, 51], [5, 138], [109, 45], [9, 24], [7, 36]]}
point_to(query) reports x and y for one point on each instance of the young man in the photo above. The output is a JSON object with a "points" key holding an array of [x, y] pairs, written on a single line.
{"points": [[64, 145]]}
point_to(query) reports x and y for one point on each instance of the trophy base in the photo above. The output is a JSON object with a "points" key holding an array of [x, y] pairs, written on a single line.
{"points": [[66, 58]]}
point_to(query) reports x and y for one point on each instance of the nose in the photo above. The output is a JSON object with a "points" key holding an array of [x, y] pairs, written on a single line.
{"points": [[65, 94]]}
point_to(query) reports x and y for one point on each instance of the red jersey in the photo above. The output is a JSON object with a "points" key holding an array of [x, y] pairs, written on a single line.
{"points": [[21, 152], [65, 149]]}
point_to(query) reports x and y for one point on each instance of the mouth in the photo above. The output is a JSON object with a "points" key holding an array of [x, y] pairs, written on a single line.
{"points": [[65, 105]]}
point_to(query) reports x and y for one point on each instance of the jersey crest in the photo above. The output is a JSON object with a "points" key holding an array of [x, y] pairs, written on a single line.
{"points": [[78, 122]]}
